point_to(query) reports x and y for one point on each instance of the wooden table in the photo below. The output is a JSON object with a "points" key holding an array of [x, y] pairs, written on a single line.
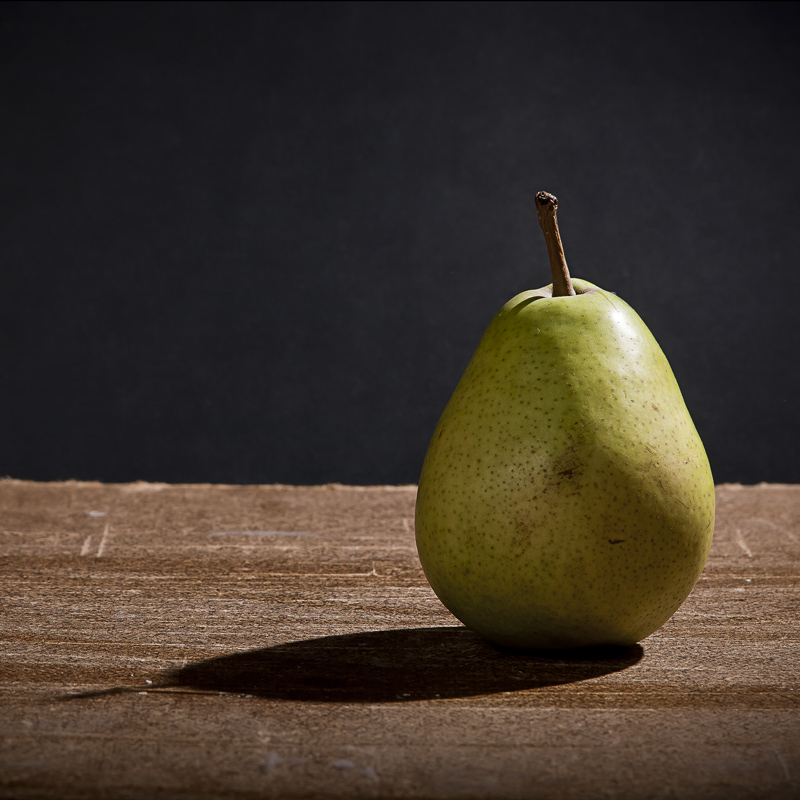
{"points": [[271, 641]]}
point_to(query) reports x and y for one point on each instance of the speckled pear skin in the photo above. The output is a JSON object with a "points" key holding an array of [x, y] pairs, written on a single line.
{"points": [[565, 498]]}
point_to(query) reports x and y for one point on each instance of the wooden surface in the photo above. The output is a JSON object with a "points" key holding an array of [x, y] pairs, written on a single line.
{"points": [[242, 642]]}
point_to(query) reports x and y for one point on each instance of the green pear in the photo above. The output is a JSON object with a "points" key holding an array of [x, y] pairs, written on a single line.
{"points": [[565, 498]]}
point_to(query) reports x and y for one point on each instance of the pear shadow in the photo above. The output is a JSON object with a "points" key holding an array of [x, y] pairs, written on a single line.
{"points": [[395, 666]]}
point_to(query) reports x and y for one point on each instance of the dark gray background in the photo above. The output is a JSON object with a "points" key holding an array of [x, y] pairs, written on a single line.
{"points": [[259, 242]]}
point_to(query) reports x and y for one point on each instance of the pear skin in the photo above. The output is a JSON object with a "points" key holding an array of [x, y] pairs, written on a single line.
{"points": [[565, 498]]}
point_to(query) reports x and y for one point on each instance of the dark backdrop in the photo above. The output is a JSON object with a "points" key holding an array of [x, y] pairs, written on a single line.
{"points": [[259, 242]]}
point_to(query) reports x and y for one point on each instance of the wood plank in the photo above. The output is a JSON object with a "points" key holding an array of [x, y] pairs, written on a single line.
{"points": [[221, 641]]}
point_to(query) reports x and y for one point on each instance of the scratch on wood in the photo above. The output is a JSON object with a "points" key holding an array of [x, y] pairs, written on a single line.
{"points": [[741, 542], [783, 763], [102, 546], [87, 543], [777, 527], [259, 533], [312, 575]]}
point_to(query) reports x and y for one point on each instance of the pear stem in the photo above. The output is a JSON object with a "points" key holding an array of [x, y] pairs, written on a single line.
{"points": [[546, 205]]}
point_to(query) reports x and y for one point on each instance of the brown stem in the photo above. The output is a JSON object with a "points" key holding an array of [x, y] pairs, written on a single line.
{"points": [[546, 205]]}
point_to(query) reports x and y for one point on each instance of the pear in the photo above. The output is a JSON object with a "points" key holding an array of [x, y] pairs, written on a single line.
{"points": [[565, 499]]}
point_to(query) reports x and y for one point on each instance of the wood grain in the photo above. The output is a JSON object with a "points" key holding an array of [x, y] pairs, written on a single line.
{"points": [[275, 641]]}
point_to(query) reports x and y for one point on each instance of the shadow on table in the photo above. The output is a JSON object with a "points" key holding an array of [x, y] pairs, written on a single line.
{"points": [[395, 666]]}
